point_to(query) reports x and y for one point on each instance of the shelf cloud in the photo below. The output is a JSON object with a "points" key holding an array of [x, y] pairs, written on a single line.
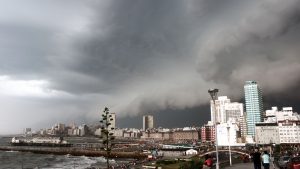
{"points": [[72, 58]]}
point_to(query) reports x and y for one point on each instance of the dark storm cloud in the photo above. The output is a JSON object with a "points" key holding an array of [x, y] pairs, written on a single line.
{"points": [[140, 37], [155, 56], [144, 50], [259, 46], [152, 40]]}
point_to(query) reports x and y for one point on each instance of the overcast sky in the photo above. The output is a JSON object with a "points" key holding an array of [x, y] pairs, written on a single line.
{"points": [[65, 60]]}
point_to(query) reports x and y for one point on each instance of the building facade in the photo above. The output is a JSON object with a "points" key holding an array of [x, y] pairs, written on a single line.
{"points": [[208, 133], [186, 135], [218, 112], [225, 110], [254, 105], [266, 133], [289, 131], [242, 123], [233, 111], [148, 122], [227, 134]]}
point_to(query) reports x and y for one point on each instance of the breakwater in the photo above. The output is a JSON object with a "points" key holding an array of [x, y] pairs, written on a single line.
{"points": [[73, 151]]}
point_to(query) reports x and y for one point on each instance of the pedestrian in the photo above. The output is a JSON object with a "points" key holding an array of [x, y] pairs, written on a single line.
{"points": [[256, 159], [266, 160], [208, 162]]}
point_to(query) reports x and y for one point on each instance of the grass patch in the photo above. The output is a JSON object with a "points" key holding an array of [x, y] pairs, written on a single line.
{"points": [[193, 163]]}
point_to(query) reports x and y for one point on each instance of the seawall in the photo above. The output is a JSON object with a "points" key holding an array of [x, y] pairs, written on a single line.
{"points": [[73, 151]]}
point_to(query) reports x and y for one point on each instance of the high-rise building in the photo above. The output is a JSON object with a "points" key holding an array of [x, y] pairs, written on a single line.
{"points": [[219, 115], [225, 110], [233, 111], [254, 105], [148, 122]]}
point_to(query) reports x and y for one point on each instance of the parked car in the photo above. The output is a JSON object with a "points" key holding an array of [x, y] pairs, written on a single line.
{"points": [[294, 163], [282, 162]]}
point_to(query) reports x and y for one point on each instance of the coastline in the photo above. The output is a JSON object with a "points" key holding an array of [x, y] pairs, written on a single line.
{"points": [[73, 151]]}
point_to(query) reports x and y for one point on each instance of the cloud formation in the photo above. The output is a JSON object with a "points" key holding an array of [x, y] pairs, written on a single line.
{"points": [[139, 57]]}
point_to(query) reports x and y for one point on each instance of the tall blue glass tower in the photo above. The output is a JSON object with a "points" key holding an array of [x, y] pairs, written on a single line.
{"points": [[254, 106]]}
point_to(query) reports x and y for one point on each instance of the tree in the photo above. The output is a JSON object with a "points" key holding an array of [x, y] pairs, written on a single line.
{"points": [[106, 133]]}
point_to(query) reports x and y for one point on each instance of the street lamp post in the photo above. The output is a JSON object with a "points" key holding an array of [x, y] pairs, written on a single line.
{"points": [[213, 93], [229, 148]]}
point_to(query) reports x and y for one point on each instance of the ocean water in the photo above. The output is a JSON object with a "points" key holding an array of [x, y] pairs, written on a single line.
{"points": [[14, 160], [28, 160]]}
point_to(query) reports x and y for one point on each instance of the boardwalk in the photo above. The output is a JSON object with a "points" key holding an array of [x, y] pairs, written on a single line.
{"points": [[244, 166]]}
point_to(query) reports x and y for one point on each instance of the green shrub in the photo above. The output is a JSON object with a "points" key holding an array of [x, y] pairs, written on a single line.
{"points": [[194, 164], [166, 162]]}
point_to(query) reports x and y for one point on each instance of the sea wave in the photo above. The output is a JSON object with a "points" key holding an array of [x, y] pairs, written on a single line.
{"points": [[16, 159]]}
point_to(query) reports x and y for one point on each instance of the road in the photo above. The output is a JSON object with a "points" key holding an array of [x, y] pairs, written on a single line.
{"points": [[245, 166]]}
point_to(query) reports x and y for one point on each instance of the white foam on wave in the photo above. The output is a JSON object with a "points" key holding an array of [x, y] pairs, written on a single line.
{"points": [[78, 162], [11, 151]]}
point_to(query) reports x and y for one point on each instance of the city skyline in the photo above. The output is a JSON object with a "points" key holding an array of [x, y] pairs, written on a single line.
{"points": [[65, 61]]}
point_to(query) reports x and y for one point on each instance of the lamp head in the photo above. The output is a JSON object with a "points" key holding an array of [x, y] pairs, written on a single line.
{"points": [[213, 93]]}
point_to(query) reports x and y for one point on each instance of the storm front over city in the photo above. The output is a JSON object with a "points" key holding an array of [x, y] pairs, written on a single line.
{"points": [[63, 61]]}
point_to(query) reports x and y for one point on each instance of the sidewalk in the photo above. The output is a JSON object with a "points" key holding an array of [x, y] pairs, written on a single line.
{"points": [[245, 166]]}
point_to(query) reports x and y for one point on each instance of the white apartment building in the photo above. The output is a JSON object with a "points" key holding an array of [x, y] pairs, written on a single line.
{"points": [[219, 115], [132, 133], [227, 134], [286, 114], [279, 127], [118, 132], [289, 131], [225, 110], [266, 133], [234, 110]]}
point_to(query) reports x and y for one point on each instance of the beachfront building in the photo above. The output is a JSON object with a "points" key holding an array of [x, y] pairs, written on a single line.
{"points": [[267, 133], [157, 135], [289, 131], [187, 133], [148, 122], [228, 134], [286, 113], [208, 132], [233, 111], [254, 106], [279, 127], [218, 110], [225, 110], [132, 133]]}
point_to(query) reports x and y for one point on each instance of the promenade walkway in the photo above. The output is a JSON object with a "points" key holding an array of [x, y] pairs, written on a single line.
{"points": [[245, 166]]}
